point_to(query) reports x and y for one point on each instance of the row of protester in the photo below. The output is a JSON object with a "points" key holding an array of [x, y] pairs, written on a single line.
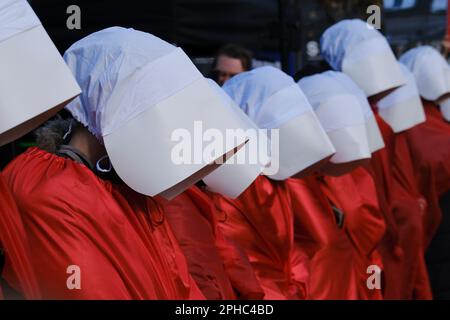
{"points": [[100, 209]]}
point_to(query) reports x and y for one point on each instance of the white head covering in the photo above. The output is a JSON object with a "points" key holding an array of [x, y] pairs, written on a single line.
{"points": [[34, 80], [432, 74], [402, 109], [341, 115], [235, 175], [357, 49], [374, 136], [272, 100], [138, 91]]}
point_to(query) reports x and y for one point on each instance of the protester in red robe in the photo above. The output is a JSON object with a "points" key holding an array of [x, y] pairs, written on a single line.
{"points": [[431, 72], [402, 110], [114, 242], [260, 219], [353, 224], [402, 249], [218, 265], [429, 144]]}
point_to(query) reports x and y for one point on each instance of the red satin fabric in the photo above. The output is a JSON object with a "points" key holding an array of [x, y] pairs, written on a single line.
{"points": [[404, 207], [429, 144], [260, 221], [339, 257], [355, 194], [218, 266], [14, 241], [118, 238]]}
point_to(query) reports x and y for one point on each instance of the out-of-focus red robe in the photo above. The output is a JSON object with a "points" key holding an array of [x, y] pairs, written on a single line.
{"points": [[402, 248], [118, 238], [260, 221], [14, 242], [218, 266], [429, 144]]}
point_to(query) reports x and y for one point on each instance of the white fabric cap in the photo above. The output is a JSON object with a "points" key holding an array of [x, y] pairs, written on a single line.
{"points": [[431, 72], [357, 49], [402, 109], [341, 115], [16, 16], [238, 172], [34, 80], [144, 99], [374, 136], [272, 100]]}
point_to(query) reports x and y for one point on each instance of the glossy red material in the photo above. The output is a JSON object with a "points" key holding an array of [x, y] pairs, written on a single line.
{"points": [[18, 269], [219, 267], [404, 207], [119, 239], [339, 255], [260, 220], [429, 144]]}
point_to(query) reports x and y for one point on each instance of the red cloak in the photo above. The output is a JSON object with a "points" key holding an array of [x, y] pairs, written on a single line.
{"points": [[260, 221], [13, 240], [118, 239], [429, 144], [403, 206], [219, 268], [339, 256]]}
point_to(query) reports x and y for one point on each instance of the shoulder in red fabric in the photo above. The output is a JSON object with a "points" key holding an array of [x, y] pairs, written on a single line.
{"points": [[260, 221], [115, 237]]}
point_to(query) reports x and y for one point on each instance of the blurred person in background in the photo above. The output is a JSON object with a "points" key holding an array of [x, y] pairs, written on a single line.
{"points": [[230, 60]]}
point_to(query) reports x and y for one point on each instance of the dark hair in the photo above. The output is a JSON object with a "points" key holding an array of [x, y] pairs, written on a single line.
{"points": [[51, 134], [237, 52], [312, 68]]}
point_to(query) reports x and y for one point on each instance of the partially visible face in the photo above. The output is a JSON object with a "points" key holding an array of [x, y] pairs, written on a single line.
{"points": [[226, 68]]}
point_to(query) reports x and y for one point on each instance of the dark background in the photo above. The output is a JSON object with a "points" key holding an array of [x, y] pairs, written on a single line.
{"points": [[286, 32]]}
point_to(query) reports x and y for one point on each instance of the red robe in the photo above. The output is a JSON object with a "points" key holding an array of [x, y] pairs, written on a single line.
{"points": [[260, 220], [339, 256], [119, 239], [402, 248], [429, 144], [18, 269], [218, 266]]}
